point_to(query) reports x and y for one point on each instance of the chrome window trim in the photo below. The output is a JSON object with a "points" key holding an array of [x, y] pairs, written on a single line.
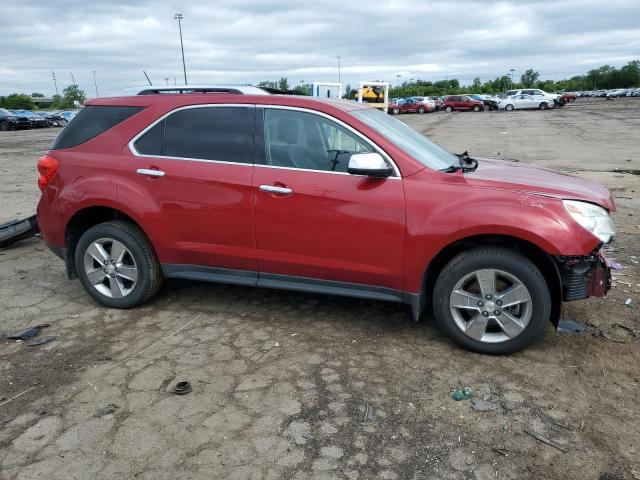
{"points": [[134, 152], [368, 141]]}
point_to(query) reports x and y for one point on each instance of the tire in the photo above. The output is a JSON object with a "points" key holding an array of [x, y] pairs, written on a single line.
{"points": [[476, 108], [396, 111], [507, 266], [509, 108], [421, 110], [4, 126], [543, 106], [448, 109], [139, 256]]}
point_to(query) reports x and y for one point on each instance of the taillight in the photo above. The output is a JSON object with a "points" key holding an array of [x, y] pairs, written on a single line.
{"points": [[47, 168]]}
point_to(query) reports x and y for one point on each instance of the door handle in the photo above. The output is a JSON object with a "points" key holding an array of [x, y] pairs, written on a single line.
{"points": [[276, 189], [149, 172]]}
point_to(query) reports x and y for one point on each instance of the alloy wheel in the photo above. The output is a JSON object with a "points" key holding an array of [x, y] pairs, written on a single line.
{"points": [[110, 268], [490, 305]]}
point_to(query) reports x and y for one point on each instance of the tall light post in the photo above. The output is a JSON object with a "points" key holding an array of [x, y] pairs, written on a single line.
{"points": [[339, 58], [95, 83], [512, 70], [398, 77], [179, 17]]}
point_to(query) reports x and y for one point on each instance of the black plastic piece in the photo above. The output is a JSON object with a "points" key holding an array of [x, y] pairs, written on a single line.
{"points": [[16, 230]]}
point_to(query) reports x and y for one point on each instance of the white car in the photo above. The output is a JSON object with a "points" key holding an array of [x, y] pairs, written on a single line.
{"points": [[518, 102], [551, 98]]}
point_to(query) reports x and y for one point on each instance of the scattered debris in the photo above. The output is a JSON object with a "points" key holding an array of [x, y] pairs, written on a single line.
{"points": [[501, 451], [368, 413], [483, 406], [27, 333], [181, 388], [619, 331], [101, 412], [628, 302], [16, 230], [569, 326], [615, 265], [545, 441], [462, 394], [39, 341]]}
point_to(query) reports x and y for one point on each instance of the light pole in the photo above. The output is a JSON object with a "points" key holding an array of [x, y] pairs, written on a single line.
{"points": [[179, 17], [339, 58], [512, 70], [398, 77], [95, 83]]}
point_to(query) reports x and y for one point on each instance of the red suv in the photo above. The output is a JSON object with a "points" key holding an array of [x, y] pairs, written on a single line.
{"points": [[462, 103], [409, 105], [243, 187]]}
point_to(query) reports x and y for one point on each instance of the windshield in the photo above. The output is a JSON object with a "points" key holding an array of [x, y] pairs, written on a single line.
{"points": [[5, 112], [407, 139]]}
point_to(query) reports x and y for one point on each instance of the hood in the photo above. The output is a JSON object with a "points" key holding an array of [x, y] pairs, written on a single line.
{"points": [[538, 181]]}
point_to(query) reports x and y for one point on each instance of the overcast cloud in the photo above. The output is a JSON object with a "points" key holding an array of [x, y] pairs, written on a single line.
{"points": [[245, 41]]}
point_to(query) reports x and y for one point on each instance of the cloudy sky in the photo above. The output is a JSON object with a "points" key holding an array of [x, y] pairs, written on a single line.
{"points": [[245, 41]]}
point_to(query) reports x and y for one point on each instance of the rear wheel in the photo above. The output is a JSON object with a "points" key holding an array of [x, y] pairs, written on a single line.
{"points": [[476, 108], [4, 125], [492, 300], [509, 108], [421, 110], [543, 106], [117, 265], [395, 111], [448, 109]]}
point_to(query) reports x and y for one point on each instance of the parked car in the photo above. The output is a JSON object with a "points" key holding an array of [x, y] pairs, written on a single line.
{"points": [[409, 105], [67, 115], [462, 103], [36, 120], [429, 103], [54, 118], [488, 102], [552, 99], [437, 102], [320, 196], [12, 121], [520, 102], [568, 96]]}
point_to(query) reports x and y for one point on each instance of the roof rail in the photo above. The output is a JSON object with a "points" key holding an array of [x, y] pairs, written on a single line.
{"points": [[169, 89]]}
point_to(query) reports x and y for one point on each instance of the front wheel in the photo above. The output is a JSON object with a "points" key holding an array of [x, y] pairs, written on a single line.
{"points": [[421, 110], [448, 109], [509, 108], [395, 111], [492, 300], [476, 108], [543, 106], [117, 265]]}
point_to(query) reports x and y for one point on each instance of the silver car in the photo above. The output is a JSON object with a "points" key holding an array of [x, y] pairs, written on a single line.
{"points": [[518, 102]]}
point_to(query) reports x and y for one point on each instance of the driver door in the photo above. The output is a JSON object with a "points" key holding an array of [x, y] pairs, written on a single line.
{"points": [[314, 221]]}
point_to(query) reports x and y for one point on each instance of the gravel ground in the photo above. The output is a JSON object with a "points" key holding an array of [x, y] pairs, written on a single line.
{"points": [[289, 385]]}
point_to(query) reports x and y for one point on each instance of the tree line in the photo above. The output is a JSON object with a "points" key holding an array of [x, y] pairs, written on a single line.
{"points": [[604, 77], [17, 101]]}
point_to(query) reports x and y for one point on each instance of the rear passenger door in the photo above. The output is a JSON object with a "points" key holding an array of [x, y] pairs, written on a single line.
{"points": [[193, 170]]}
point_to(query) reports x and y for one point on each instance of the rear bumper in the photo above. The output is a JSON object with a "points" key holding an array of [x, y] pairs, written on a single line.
{"points": [[584, 277]]}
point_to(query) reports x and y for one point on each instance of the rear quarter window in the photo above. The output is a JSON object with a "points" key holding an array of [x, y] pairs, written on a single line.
{"points": [[91, 122]]}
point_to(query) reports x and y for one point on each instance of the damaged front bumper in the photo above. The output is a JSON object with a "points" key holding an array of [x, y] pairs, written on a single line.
{"points": [[585, 276]]}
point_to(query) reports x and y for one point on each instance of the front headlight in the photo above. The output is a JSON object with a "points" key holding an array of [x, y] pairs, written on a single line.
{"points": [[592, 217]]}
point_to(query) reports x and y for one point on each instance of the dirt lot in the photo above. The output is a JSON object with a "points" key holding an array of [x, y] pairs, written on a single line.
{"points": [[288, 385]]}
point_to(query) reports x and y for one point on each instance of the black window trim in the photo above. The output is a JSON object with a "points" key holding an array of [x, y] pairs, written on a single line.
{"points": [[247, 161]]}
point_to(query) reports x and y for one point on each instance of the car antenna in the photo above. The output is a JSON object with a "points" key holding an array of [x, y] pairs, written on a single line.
{"points": [[145, 74]]}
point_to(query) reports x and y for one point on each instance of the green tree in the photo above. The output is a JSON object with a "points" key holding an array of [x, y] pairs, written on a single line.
{"points": [[73, 93], [476, 85], [17, 101], [283, 83], [529, 78], [37, 95]]}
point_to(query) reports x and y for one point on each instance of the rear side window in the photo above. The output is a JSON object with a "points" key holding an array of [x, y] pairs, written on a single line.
{"points": [[91, 122], [203, 133]]}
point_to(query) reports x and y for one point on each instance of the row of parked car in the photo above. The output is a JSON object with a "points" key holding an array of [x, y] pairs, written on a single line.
{"points": [[614, 93], [22, 119], [531, 98]]}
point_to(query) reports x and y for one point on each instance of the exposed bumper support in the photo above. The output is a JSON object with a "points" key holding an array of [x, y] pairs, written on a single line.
{"points": [[583, 277]]}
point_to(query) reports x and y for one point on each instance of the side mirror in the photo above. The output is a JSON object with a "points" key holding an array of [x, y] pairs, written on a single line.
{"points": [[369, 164]]}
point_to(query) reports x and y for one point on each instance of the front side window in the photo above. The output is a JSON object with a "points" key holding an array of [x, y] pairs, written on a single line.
{"points": [[296, 139], [202, 133]]}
